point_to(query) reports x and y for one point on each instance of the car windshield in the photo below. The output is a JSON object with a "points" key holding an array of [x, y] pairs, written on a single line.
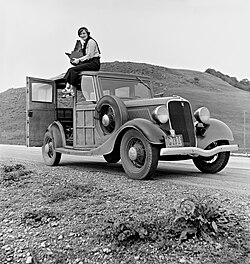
{"points": [[126, 89]]}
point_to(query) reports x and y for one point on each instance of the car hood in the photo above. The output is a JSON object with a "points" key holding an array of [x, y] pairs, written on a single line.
{"points": [[152, 101]]}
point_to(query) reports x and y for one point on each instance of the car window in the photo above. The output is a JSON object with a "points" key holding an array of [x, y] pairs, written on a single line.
{"points": [[125, 89], [106, 92], [122, 92], [87, 87], [42, 92], [141, 91]]}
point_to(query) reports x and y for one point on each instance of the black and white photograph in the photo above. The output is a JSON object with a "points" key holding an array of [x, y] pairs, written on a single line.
{"points": [[125, 132]]}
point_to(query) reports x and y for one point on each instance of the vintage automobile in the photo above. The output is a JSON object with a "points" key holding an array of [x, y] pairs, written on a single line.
{"points": [[118, 116]]}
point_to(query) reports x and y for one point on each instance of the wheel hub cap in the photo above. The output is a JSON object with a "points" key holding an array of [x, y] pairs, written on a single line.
{"points": [[48, 148], [132, 153], [105, 120]]}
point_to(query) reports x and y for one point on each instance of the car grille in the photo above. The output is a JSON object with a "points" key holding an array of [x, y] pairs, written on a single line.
{"points": [[181, 120]]}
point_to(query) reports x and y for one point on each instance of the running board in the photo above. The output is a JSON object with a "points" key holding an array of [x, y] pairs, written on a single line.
{"points": [[78, 152]]}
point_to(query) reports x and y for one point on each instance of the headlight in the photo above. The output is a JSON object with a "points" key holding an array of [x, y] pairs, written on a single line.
{"points": [[202, 115], [160, 114]]}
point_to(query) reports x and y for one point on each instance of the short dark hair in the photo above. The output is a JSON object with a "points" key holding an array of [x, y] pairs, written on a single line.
{"points": [[81, 29]]}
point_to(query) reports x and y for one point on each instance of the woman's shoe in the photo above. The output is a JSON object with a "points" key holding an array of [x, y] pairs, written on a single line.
{"points": [[67, 90], [67, 96]]}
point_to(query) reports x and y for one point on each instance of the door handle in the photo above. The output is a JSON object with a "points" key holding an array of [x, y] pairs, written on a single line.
{"points": [[30, 113]]}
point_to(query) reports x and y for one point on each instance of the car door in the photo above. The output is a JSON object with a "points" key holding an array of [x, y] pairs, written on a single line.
{"points": [[40, 109], [86, 135]]}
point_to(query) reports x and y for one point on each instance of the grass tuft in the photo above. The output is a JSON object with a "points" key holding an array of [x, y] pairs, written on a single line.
{"points": [[68, 191], [124, 232], [13, 167], [13, 173], [37, 218]]}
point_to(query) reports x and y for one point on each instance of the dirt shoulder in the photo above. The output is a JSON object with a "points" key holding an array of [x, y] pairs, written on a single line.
{"points": [[62, 215]]}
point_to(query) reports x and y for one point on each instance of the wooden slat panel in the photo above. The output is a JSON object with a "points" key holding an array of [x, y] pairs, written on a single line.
{"points": [[89, 118], [89, 136], [79, 118], [86, 134], [80, 137]]}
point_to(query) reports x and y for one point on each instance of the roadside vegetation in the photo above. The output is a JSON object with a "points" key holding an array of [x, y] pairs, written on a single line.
{"points": [[64, 215]]}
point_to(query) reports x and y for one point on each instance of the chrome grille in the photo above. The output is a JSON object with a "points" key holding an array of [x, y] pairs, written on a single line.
{"points": [[181, 120]]}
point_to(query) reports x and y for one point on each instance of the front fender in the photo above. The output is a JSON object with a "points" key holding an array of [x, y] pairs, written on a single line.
{"points": [[151, 132], [216, 130], [57, 132]]}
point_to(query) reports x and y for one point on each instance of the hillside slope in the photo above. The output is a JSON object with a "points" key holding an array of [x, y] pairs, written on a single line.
{"points": [[225, 102], [12, 116], [243, 84]]}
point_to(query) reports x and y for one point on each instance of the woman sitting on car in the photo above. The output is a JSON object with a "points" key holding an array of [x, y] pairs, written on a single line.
{"points": [[90, 61]]}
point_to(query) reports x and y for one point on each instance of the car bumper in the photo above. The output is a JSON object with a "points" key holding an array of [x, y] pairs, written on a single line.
{"points": [[194, 151]]}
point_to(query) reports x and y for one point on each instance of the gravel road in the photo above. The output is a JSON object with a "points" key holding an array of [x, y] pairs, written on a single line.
{"points": [[235, 177]]}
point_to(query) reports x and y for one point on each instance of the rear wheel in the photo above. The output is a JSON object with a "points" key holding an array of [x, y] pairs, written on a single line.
{"points": [[139, 158], [214, 163], [50, 156]]}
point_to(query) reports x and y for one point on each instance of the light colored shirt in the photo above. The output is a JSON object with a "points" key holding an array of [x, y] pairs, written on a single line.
{"points": [[91, 51]]}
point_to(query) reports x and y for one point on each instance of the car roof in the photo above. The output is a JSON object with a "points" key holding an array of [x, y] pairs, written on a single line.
{"points": [[119, 75]]}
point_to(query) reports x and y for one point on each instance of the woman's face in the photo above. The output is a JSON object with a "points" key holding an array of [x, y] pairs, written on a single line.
{"points": [[83, 35]]}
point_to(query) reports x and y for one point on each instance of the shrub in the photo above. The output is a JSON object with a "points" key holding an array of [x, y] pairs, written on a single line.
{"points": [[199, 217]]}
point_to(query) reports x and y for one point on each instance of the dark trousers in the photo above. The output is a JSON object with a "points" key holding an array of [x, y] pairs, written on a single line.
{"points": [[72, 75]]}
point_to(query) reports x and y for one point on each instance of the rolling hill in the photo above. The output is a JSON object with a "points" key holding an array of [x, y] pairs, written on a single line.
{"points": [[225, 101]]}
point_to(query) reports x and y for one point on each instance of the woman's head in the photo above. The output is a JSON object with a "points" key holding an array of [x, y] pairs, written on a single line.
{"points": [[83, 33]]}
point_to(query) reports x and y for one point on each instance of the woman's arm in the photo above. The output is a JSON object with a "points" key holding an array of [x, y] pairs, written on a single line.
{"points": [[90, 50]]}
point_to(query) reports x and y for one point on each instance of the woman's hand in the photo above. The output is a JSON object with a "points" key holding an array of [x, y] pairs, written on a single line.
{"points": [[75, 61]]}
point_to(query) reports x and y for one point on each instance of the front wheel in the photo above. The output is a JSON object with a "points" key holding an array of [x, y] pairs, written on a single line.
{"points": [[214, 163], [139, 158], [50, 156]]}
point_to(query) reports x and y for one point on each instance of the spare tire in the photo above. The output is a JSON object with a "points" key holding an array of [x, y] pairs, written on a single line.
{"points": [[110, 114]]}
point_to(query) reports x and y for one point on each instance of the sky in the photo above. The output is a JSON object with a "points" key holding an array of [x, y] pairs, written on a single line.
{"points": [[179, 34]]}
